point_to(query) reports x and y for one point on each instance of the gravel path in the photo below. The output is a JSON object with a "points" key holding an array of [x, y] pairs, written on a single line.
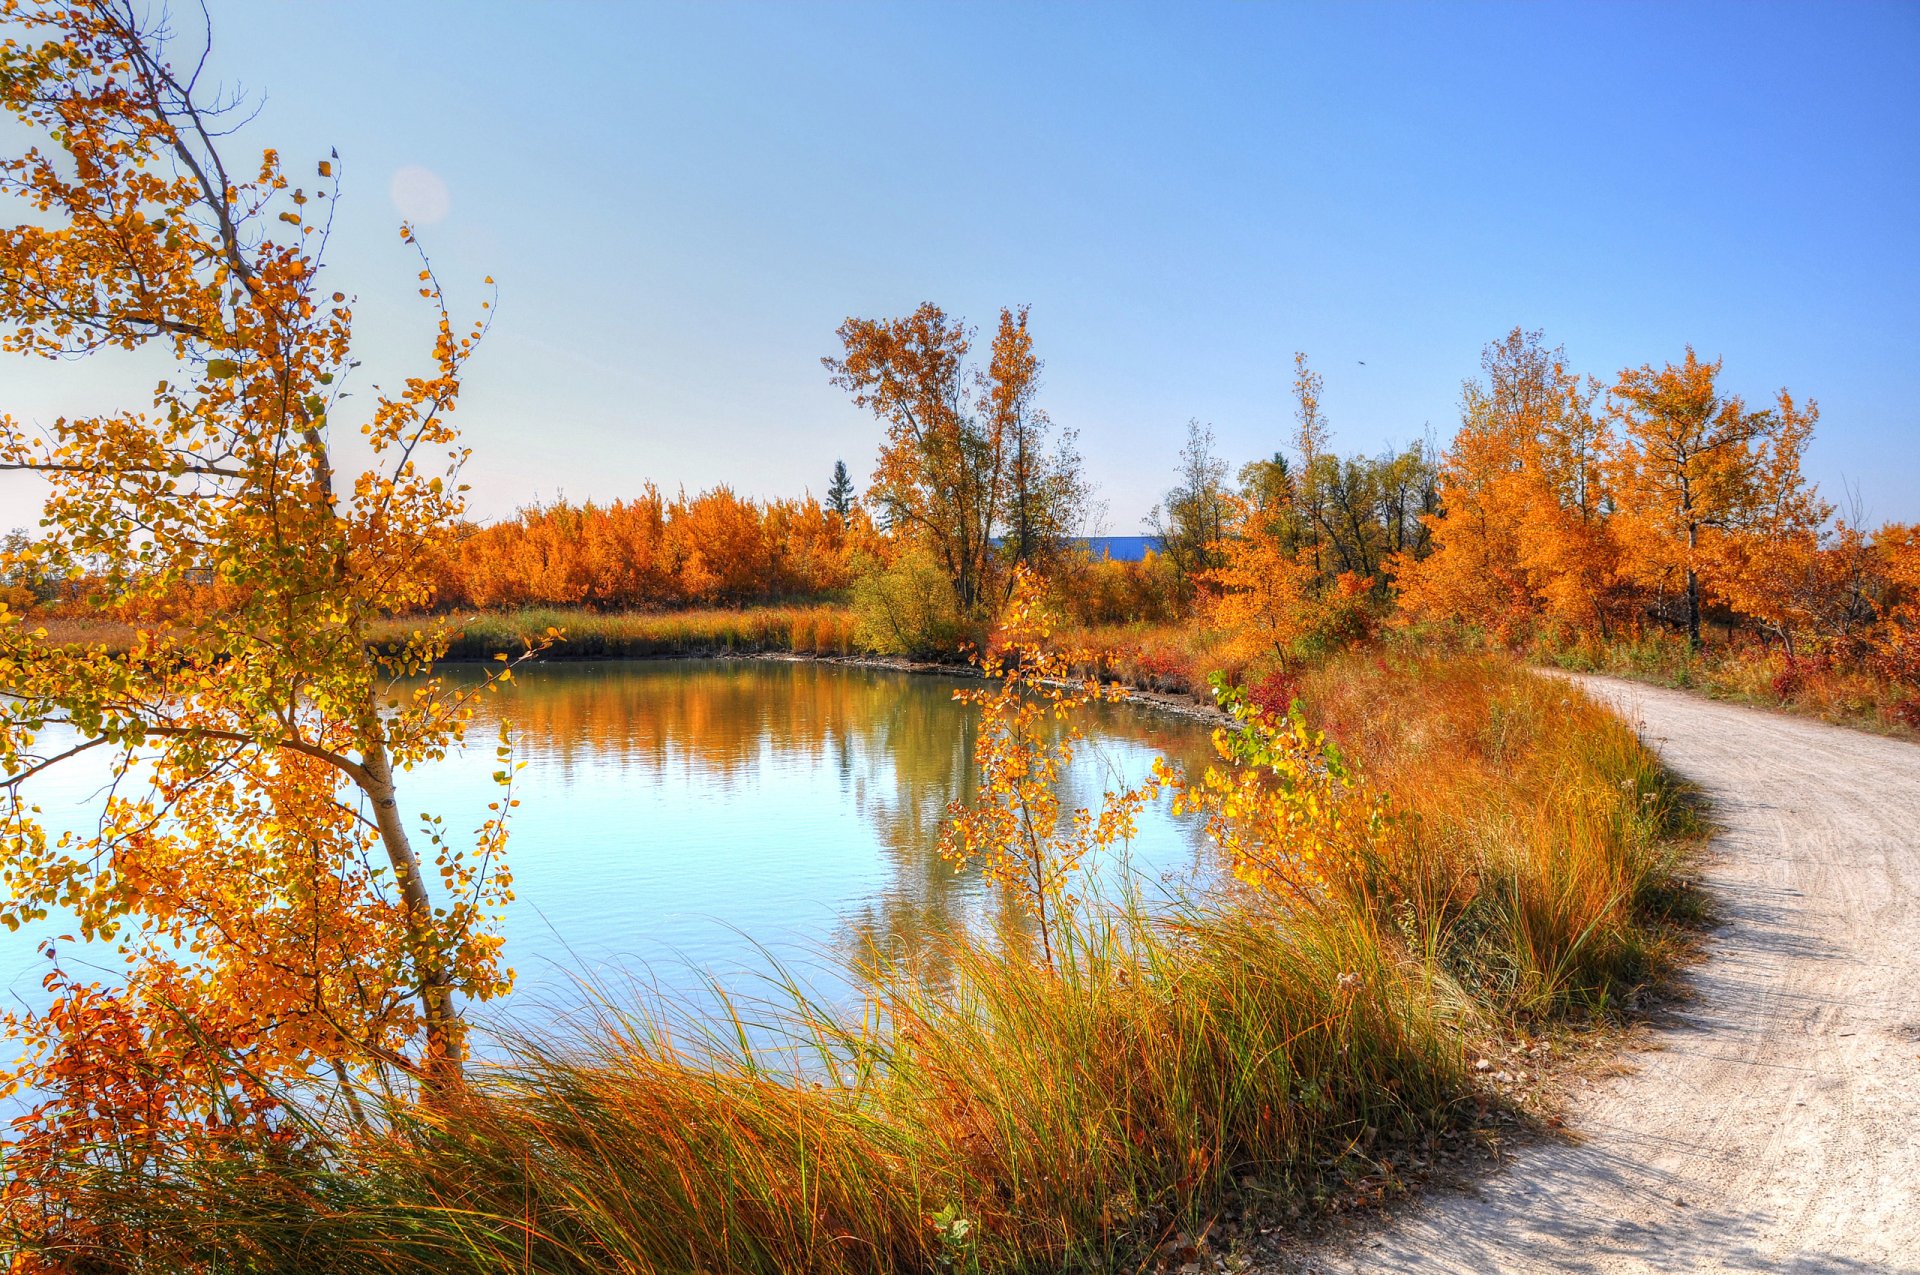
{"points": [[1775, 1124]]}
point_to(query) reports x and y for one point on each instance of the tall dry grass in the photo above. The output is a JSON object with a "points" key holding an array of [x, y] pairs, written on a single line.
{"points": [[1850, 691], [1542, 846], [1003, 1117], [807, 630]]}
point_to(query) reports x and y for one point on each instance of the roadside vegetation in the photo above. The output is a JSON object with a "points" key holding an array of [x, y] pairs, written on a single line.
{"points": [[807, 630]]}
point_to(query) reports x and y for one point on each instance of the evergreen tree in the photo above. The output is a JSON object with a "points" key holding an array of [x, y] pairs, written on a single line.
{"points": [[840, 491]]}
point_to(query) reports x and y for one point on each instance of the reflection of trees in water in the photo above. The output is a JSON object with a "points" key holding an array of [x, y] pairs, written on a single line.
{"points": [[897, 744], [917, 762], [719, 720], [923, 763]]}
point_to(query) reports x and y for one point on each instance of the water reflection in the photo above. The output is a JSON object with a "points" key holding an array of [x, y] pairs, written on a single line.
{"points": [[690, 813]]}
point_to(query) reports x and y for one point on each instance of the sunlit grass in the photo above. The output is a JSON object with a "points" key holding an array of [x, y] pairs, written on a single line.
{"points": [[1845, 692], [1543, 842], [1004, 1116], [808, 630]]}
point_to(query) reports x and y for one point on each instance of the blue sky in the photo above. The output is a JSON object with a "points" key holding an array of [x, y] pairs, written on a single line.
{"points": [[681, 203]]}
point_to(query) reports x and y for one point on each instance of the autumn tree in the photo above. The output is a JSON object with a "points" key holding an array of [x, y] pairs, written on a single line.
{"points": [[26, 581], [1032, 713], [1262, 594], [1270, 489], [1046, 491], [1695, 468], [1519, 534], [1310, 444], [1898, 638], [1192, 516], [253, 860], [966, 447], [1806, 588]]}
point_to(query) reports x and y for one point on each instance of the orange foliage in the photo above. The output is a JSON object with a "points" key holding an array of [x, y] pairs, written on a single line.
{"points": [[969, 457], [126, 1090], [1706, 487], [1897, 641], [1105, 590], [1267, 596], [1029, 729], [1519, 538], [1677, 498], [252, 863], [650, 553]]}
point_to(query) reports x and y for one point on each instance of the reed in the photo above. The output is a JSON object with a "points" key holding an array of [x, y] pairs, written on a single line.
{"points": [[1003, 1116], [805, 630]]}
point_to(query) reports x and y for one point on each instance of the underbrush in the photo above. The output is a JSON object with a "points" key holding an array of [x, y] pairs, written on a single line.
{"points": [[1172, 658], [1846, 692], [817, 629], [1511, 856]]}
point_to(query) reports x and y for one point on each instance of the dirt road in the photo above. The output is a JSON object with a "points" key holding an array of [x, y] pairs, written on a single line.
{"points": [[1775, 1125]]}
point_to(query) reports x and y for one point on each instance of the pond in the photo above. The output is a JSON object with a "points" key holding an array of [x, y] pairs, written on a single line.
{"points": [[680, 817]]}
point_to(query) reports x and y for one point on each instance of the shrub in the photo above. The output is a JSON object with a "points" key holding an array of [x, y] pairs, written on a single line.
{"points": [[906, 607]]}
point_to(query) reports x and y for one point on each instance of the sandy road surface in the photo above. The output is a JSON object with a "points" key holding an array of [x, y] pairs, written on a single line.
{"points": [[1775, 1126]]}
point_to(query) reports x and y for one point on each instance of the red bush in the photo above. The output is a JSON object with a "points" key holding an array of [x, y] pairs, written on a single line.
{"points": [[1788, 682], [1274, 694]]}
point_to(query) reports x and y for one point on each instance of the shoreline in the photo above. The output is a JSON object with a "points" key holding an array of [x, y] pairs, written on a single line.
{"points": [[1178, 704]]}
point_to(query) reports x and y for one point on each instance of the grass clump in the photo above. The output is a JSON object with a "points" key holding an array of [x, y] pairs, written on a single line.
{"points": [[1002, 1116], [1543, 845]]}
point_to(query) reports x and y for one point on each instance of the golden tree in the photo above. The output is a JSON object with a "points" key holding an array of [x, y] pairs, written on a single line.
{"points": [[1522, 534], [968, 455], [1898, 636], [253, 862], [1030, 731], [1285, 808], [1693, 468], [941, 474], [1475, 573], [1266, 597]]}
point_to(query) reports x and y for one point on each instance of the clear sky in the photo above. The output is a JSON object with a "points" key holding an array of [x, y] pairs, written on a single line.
{"points": [[682, 202]]}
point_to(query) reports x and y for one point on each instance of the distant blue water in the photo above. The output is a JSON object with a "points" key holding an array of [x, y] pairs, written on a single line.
{"points": [[1120, 548]]}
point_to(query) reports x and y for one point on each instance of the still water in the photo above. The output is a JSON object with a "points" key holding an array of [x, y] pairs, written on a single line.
{"points": [[686, 817]]}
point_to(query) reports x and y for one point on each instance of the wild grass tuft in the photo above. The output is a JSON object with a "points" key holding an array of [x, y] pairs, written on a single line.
{"points": [[1000, 1115]]}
